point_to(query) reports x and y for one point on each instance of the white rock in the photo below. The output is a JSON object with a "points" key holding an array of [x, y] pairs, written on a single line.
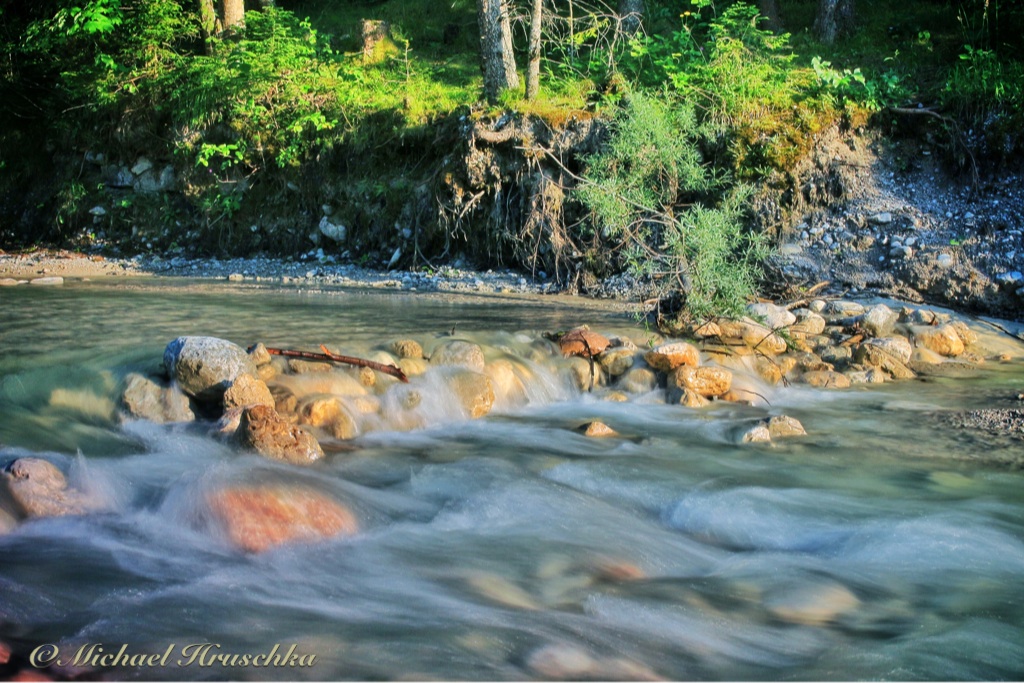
{"points": [[332, 231], [142, 165]]}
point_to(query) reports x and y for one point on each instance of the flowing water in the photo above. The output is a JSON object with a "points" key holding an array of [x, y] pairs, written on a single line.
{"points": [[881, 545]]}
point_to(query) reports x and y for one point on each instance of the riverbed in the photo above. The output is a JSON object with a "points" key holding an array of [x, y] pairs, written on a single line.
{"points": [[882, 544]]}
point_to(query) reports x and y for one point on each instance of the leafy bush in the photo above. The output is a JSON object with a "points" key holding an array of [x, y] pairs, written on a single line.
{"points": [[680, 226]]}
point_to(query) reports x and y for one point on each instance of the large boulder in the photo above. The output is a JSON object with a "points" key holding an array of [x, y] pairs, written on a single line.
{"points": [[879, 321], [943, 340], [205, 367], [261, 428], [145, 398], [37, 488], [257, 518], [897, 346]]}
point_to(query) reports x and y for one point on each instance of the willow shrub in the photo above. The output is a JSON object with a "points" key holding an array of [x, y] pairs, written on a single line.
{"points": [[680, 226]]}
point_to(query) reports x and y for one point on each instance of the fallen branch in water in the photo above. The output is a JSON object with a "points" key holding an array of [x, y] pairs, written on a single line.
{"points": [[350, 360]]}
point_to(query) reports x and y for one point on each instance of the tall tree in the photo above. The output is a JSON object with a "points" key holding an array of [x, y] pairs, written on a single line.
{"points": [[631, 16], [232, 13], [835, 19], [533, 65], [769, 9], [496, 56]]}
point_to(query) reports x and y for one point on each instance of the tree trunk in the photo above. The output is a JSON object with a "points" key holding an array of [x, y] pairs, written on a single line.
{"points": [[769, 9], [207, 24], [631, 16], [533, 66], [835, 19], [496, 56], [232, 13]]}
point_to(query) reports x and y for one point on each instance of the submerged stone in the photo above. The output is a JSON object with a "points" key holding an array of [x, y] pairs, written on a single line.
{"points": [[37, 488], [146, 399], [258, 518]]}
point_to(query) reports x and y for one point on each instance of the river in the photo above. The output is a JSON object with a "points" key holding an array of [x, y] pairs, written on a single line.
{"points": [[881, 545]]}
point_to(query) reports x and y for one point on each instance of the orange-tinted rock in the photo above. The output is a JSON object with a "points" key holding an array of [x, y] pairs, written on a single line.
{"points": [[826, 379], [582, 342], [704, 381], [474, 390], [267, 432], [407, 348], [246, 390], [256, 518], [597, 429], [668, 357], [943, 339]]}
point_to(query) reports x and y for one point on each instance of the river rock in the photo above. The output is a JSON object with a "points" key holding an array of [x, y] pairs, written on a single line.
{"points": [[47, 281], [781, 426], [204, 367], [617, 361], [879, 321], [705, 381], [298, 366], [37, 488], [967, 335], [668, 357], [501, 591], [757, 433], [474, 391], [260, 356], [460, 354], [826, 379], [638, 381], [876, 357], [10, 282], [836, 356], [412, 367], [246, 390], [844, 309], [705, 330], [258, 518], [580, 373], [808, 322], [943, 339], [146, 399], [768, 370], [328, 413], [813, 605], [407, 348], [869, 376], [898, 347], [775, 317], [508, 387], [582, 342], [597, 429], [269, 434], [757, 337], [560, 662]]}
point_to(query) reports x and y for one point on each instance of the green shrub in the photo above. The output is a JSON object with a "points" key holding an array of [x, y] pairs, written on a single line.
{"points": [[680, 226]]}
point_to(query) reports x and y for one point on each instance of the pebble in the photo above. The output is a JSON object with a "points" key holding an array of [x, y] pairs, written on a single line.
{"points": [[47, 281]]}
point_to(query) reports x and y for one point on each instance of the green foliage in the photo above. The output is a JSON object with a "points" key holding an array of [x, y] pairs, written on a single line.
{"points": [[648, 189]]}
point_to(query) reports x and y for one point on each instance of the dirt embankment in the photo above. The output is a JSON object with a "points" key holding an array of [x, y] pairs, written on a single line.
{"points": [[869, 214]]}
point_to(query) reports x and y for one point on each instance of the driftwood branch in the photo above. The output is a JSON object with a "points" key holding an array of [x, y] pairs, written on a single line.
{"points": [[349, 360]]}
